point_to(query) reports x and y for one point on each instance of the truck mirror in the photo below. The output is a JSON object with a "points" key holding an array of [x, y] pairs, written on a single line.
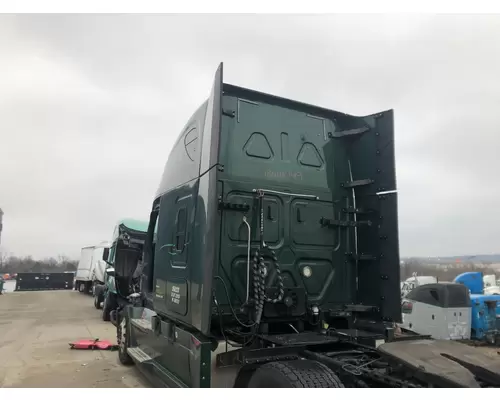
{"points": [[105, 254]]}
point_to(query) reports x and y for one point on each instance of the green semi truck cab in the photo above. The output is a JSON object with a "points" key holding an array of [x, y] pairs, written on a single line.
{"points": [[271, 258]]}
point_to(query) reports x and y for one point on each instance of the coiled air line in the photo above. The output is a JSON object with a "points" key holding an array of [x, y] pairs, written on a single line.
{"points": [[258, 266], [259, 269]]}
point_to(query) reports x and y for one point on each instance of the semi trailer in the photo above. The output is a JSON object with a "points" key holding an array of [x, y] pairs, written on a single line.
{"points": [[90, 270]]}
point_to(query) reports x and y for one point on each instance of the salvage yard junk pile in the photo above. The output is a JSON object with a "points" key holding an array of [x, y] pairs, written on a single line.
{"points": [[271, 259]]}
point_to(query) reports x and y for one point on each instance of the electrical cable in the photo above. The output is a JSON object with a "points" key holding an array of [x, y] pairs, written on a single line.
{"points": [[231, 305], [220, 319], [233, 344]]}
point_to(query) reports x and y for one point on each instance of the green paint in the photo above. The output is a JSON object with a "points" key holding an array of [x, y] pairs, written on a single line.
{"points": [[239, 141], [134, 224]]}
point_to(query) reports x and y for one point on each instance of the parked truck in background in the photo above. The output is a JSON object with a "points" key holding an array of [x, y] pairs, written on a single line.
{"points": [[125, 252], [90, 270], [414, 281]]}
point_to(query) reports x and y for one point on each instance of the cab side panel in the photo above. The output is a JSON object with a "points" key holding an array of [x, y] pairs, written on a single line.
{"points": [[187, 233]]}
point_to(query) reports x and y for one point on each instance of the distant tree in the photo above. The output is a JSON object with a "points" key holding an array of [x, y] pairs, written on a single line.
{"points": [[3, 260], [445, 273], [28, 264]]}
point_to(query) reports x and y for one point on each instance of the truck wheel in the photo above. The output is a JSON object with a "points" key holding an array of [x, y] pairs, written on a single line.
{"points": [[81, 287], [110, 303], [97, 302], [294, 374], [106, 308], [123, 334]]}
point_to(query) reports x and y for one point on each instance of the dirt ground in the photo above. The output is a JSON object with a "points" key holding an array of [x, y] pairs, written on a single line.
{"points": [[35, 329]]}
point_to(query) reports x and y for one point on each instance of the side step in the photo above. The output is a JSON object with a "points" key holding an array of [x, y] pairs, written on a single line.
{"points": [[168, 379], [141, 323], [138, 355]]}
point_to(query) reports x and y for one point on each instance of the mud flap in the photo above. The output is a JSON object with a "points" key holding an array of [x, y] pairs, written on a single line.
{"points": [[445, 363]]}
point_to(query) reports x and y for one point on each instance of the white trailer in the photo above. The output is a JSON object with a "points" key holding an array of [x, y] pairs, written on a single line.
{"points": [[490, 285], [91, 267]]}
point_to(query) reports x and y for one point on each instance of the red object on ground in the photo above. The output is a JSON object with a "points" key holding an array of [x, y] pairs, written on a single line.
{"points": [[93, 344]]}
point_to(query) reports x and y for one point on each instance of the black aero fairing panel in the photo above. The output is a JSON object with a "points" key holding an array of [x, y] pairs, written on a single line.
{"points": [[372, 252], [207, 216]]}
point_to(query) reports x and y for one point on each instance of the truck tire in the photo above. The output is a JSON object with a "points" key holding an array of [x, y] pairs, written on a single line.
{"points": [[97, 302], [123, 335], [106, 309], [81, 287], [294, 374], [109, 304]]}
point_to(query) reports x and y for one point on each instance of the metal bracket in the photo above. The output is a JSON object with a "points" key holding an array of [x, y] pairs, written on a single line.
{"points": [[330, 223], [261, 193], [352, 210], [361, 308], [229, 113], [361, 257], [257, 356], [233, 207], [348, 133], [354, 184]]}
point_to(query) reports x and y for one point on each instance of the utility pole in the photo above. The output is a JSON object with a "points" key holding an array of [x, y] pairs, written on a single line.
{"points": [[1, 216]]}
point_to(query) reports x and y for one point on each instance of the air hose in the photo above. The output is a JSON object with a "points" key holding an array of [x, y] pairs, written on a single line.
{"points": [[259, 270]]}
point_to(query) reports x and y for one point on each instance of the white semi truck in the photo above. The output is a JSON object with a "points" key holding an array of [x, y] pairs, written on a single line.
{"points": [[414, 281], [91, 267]]}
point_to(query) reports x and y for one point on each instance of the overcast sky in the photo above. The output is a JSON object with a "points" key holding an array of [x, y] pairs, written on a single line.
{"points": [[91, 105]]}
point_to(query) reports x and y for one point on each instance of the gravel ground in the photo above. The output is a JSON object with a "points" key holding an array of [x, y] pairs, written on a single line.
{"points": [[35, 331]]}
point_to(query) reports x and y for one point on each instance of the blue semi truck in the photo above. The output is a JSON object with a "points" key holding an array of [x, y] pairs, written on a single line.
{"points": [[485, 308]]}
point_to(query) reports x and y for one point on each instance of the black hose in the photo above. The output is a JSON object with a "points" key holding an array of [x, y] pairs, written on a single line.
{"points": [[231, 305]]}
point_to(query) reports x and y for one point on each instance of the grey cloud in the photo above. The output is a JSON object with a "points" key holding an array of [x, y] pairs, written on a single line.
{"points": [[90, 106]]}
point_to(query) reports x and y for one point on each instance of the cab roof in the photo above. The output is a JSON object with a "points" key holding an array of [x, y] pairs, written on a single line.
{"points": [[134, 224]]}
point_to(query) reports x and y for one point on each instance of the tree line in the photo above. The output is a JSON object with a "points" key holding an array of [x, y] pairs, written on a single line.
{"points": [[9, 265], [444, 273]]}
